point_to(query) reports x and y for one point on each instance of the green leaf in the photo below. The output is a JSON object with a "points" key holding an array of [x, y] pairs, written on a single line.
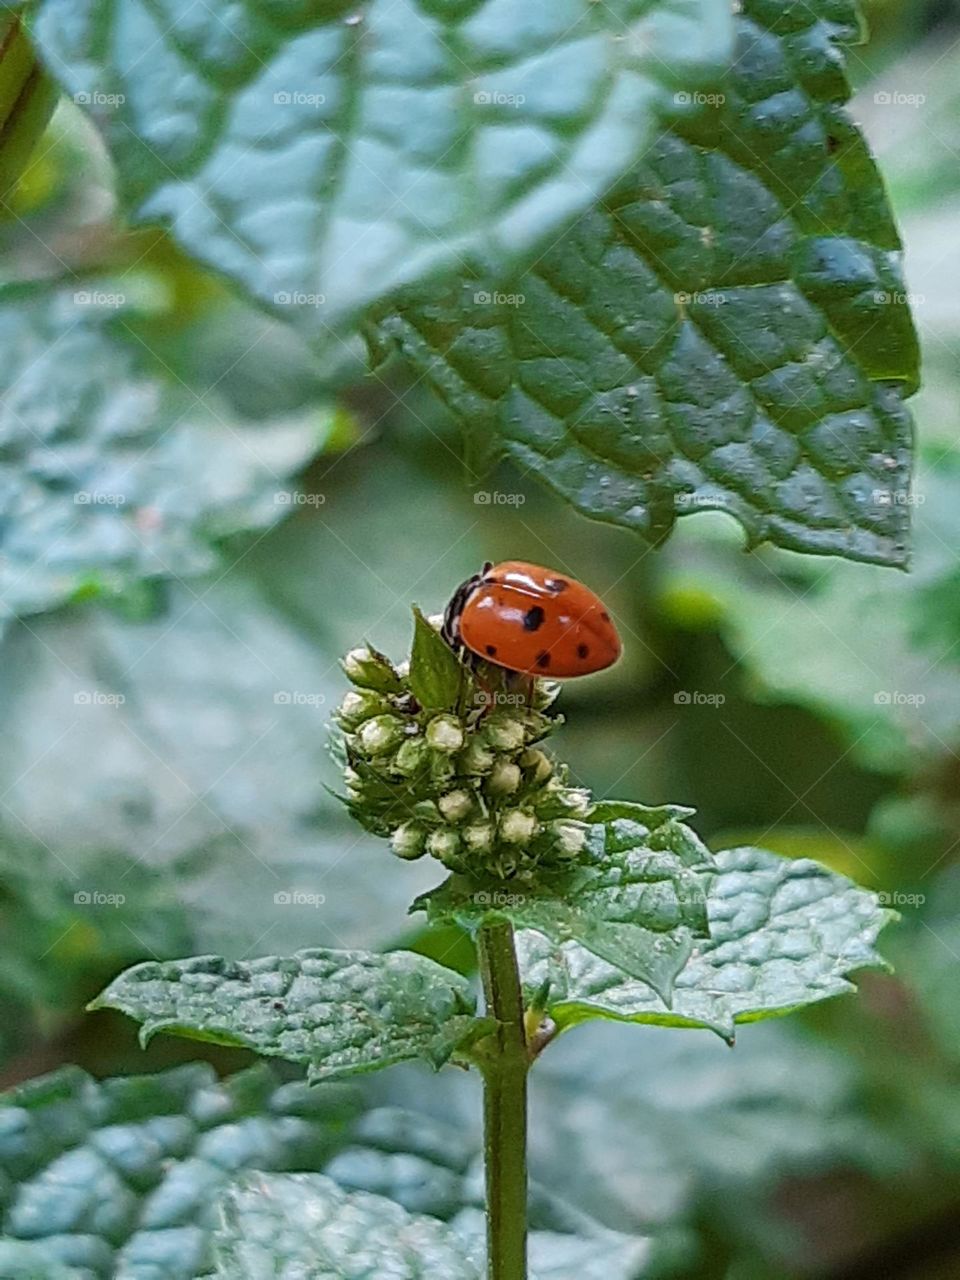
{"points": [[304, 1224], [637, 900], [27, 99], [322, 155], [113, 469], [287, 1225], [339, 1012], [726, 329], [783, 934], [118, 1178], [435, 673]]}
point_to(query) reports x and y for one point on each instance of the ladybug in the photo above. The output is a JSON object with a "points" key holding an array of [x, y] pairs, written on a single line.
{"points": [[532, 620]]}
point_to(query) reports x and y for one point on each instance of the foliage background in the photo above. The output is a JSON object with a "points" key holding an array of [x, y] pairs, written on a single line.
{"points": [[164, 704]]}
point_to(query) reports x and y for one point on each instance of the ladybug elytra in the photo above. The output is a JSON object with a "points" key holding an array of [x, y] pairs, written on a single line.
{"points": [[533, 620]]}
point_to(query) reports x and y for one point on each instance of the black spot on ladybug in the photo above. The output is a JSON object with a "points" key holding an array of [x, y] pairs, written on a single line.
{"points": [[583, 651], [556, 585], [543, 659], [605, 616], [491, 650], [533, 619]]}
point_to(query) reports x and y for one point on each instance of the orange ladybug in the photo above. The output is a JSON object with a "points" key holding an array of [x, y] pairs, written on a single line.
{"points": [[530, 619]]}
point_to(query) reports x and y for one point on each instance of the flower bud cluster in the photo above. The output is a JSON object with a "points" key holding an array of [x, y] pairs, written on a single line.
{"points": [[469, 785]]}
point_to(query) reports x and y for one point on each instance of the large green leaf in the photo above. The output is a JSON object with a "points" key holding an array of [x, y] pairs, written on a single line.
{"points": [[783, 933], [636, 899], [290, 1225], [114, 470], [727, 329], [322, 155], [118, 1178], [339, 1012]]}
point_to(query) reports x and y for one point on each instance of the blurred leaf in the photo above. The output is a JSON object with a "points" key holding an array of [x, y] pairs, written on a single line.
{"points": [[340, 152], [726, 330], [113, 469], [301, 1224], [340, 1012], [873, 653], [637, 900], [27, 99], [783, 934], [434, 669], [119, 1178]]}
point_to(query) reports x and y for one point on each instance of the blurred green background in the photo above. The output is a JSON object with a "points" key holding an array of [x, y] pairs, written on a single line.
{"points": [[164, 707]]}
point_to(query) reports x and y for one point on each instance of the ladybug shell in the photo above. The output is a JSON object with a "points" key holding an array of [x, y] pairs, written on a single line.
{"points": [[527, 618]]}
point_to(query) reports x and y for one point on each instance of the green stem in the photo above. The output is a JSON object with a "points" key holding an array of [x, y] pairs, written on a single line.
{"points": [[504, 1107]]}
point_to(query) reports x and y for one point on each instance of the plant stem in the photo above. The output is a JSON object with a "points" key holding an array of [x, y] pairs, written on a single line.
{"points": [[504, 1107]]}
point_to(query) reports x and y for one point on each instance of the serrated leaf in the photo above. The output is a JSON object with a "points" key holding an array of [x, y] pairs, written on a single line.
{"points": [[118, 1178], [112, 469], [727, 329], [435, 673], [27, 99], [783, 933], [637, 899], [347, 148], [338, 1012]]}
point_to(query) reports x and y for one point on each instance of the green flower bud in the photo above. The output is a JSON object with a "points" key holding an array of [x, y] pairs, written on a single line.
{"points": [[455, 805], [371, 670], [517, 826], [380, 735], [570, 838], [545, 693], [408, 841], [506, 733], [477, 759], [360, 705], [445, 733], [410, 756], [443, 844], [504, 778], [538, 764], [478, 836]]}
